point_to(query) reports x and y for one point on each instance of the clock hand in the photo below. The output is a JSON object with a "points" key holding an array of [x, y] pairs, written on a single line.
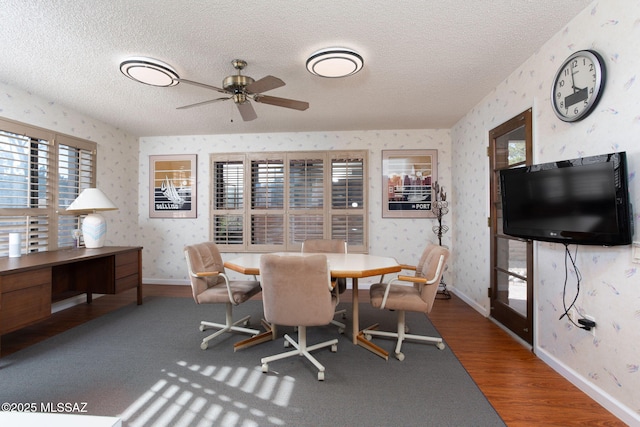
{"points": [[573, 83]]}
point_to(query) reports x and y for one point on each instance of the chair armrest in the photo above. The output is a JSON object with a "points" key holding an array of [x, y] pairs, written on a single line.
{"points": [[412, 279], [408, 267], [206, 274]]}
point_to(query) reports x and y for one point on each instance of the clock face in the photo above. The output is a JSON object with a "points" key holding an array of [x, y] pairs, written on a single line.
{"points": [[578, 85]]}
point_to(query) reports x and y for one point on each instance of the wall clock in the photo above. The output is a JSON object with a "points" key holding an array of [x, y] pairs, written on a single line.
{"points": [[578, 85]]}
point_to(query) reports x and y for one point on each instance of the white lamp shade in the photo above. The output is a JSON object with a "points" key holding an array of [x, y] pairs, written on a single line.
{"points": [[91, 200], [94, 226]]}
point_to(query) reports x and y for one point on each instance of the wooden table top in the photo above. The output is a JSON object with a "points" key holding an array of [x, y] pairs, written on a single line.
{"points": [[341, 265]]}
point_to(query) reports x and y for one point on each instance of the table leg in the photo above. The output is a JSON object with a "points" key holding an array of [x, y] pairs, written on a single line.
{"points": [[356, 334], [355, 313]]}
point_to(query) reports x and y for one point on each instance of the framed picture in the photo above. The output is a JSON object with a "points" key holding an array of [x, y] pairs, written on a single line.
{"points": [[407, 183], [172, 186]]}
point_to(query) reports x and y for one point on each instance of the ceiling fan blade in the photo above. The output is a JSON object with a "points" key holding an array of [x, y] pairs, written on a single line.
{"points": [[206, 86], [246, 111], [282, 102], [264, 84], [202, 103]]}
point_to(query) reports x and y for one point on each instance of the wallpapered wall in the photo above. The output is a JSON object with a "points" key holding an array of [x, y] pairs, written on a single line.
{"points": [[117, 154], [404, 239], [607, 365]]}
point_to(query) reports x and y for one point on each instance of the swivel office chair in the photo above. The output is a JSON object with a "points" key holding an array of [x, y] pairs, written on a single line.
{"points": [[296, 291], [210, 285], [417, 294], [326, 246]]}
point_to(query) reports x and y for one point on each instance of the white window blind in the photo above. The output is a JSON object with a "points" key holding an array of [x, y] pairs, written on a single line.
{"points": [[76, 171], [228, 200], [39, 177], [289, 198]]}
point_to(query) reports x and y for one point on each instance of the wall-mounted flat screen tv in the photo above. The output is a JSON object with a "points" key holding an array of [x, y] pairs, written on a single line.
{"points": [[579, 201]]}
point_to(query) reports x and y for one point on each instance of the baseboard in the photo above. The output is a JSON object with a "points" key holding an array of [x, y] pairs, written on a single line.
{"points": [[70, 302], [477, 307], [625, 414]]}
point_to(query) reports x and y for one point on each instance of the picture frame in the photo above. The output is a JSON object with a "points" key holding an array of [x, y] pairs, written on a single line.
{"points": [[173, 186], [408, 177]]}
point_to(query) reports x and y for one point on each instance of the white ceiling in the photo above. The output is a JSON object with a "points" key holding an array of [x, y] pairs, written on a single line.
{"points": [[427, 62]]}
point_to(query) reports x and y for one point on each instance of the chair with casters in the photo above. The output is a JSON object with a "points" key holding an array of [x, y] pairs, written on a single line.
{"points": [[211, 285], [325, 246], [297, 291], [415, 293]]}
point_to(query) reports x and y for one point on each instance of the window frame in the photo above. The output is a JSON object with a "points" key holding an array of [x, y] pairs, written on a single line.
{"points": [[287, 211], [52, 216]]}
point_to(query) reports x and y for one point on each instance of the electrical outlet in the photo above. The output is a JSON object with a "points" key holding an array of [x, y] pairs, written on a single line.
{"points": [[593, 330]]}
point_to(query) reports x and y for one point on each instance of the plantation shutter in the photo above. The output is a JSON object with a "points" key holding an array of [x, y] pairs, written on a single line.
{"points": [[228, 201], [267, 203], [25, 187], [306, 199]]}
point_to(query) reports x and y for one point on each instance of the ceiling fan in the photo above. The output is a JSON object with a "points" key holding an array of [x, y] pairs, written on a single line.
{"points": [[241, 89]]}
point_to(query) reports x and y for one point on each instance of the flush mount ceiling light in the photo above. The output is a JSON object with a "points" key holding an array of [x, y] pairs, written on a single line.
{"points": [[149, 71], [335, 62]]}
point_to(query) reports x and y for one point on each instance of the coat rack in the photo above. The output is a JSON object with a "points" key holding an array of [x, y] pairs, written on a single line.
{"points": [[440, 208]]}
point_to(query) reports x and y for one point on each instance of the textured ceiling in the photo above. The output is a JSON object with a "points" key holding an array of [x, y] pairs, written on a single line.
{"points": [[427, 62]]}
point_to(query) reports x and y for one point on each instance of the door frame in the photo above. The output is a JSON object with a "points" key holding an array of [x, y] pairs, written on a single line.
{"points": [[520, 325]]}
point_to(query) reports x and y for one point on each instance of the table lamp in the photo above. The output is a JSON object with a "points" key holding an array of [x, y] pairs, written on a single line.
{"points": [[94, 226]]}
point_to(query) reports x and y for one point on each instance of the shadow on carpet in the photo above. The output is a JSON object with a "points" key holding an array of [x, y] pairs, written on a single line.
{"points": [[144, 364]]}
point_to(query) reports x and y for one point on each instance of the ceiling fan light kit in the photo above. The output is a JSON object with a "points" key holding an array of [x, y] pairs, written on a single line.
{"points": [[335, 62], [237, 87], [149, 71]]}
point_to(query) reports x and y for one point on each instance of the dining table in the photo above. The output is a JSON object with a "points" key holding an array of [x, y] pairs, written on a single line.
{"points": [[350, 265]]}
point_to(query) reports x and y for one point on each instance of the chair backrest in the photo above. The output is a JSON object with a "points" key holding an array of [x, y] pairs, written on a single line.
{"points": [[324, 246], [327, 246], [203, 257], [296, 289], [431, 267]]}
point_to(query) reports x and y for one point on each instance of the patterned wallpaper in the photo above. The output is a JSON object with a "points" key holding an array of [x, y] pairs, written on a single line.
{"points": [[401, 238], [607, 365], [117, 154]]}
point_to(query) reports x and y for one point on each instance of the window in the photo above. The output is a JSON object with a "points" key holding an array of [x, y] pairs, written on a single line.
{"points": [[41, 173], [275, 201]]}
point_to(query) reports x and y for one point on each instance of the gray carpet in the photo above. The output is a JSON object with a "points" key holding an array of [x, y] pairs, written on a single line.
{"points": [[144, 364]]}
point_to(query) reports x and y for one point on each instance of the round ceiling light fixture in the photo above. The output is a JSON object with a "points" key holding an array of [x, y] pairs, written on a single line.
{"points": [[335, 62], [149, 71]]}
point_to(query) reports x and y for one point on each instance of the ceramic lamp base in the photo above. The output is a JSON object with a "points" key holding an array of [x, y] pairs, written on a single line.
{"points": [[94, 230]]}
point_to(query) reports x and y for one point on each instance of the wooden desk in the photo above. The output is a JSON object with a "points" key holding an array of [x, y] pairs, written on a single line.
{"points": [[30, 283], [352, 266]]}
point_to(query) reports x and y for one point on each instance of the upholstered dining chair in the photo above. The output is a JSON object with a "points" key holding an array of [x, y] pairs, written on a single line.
{"points": [[415, 293], [211, 285], [326, 246], [297, 291]]}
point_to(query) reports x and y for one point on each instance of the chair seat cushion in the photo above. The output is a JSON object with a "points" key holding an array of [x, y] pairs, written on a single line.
{"points": [[401, 297], [241, 290]]}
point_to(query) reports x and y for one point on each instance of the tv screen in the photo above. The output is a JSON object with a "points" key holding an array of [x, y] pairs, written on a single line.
{"points": [[582, 201]]}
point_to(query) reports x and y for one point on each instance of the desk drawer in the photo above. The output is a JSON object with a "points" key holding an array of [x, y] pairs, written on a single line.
{"points": [[26, 279], [127, 276], [126, 264], [23, 307], [125, 283]]}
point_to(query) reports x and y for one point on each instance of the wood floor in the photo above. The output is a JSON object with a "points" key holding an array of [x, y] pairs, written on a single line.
{"points": [[522, 389]]}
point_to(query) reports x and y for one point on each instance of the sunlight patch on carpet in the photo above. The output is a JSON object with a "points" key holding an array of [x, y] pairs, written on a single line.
{"points": [[176, 400]]}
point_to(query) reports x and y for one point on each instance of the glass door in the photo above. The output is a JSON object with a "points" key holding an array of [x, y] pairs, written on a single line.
{"points": [[511, 291]]}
